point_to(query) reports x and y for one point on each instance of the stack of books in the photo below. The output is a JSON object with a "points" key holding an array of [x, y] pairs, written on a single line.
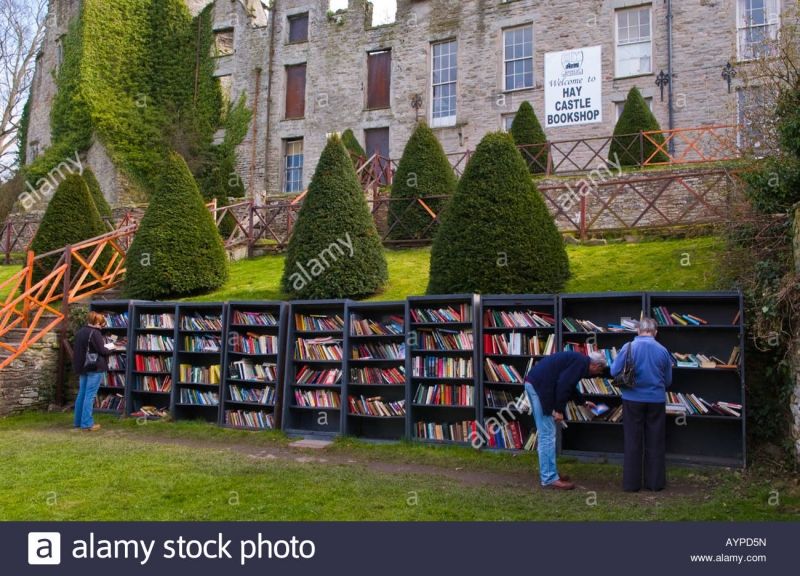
{"points": [[376, 406], [682, 360], [330, 377], [445, 395], [367, 327], [461, 313], [318, 349], [518, 319], [575, 325], [691, 404]]}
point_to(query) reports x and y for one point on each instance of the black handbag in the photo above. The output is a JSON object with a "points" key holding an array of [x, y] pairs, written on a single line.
{"points": [[626, 379], [91, 359]]}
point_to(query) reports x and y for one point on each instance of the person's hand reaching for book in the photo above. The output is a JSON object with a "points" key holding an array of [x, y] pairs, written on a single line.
{"points": [[590, 405], [558, 416]]}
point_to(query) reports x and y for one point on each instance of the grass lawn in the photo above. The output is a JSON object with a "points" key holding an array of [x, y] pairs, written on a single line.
{"points": [[657, 265], [189, 471]]}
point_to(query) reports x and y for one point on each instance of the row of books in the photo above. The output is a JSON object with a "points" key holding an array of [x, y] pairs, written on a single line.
{"points": [[249, 419], [460, 313], [318, 322], [316, 398], [378, 351], [155, 342], [318, 349], [376, 406], [702, 361], [117, 362], [367, 327], [250, 343], [113, 380], [440, 339], [247, 370], [498, 372], [330, 377], [205, 343], [370, 375], [664, 317], [144, 363], [156, 321], [518, 319], [508, 436], [691, 404], [438, 367], [118, 344], [577, 325], [587, 348], [199, 397], [200, 374], [155, 383], [113, 402], [202, 323], [255, 395], [517, 344], [503, 398], [243, 318], [115, 320], [598, 387], [580, 413], [445, 395], [463, 431]]}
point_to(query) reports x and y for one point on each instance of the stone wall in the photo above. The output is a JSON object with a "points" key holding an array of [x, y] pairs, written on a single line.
{"points": [[29, 382]]}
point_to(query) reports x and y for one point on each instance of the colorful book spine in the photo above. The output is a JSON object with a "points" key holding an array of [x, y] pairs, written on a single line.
{"points": [[317, 398], [144, 363], [113, 380], [445, 339], [376, 406], [463, 431], [156, 321], [370, 375], [318, 322], [461, 313], [438, 367], [243, 318], [253, 343], [330, 377], [360, 326], [200, 374], [247, 370], [155, 383], [445, 395], [201, 323], [266, 396], [204, 343], [155, 342], [382, 351], [518, 319], [249, 419], [199, 397], [115, 320], [318, 349]]}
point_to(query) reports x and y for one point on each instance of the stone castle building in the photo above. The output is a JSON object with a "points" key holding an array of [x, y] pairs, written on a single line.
{"points": [[310, 67]]}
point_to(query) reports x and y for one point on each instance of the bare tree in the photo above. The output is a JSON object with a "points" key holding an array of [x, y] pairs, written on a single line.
{"points": [[22, 28]]}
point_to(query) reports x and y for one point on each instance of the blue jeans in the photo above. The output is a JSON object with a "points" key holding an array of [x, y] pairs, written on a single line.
{"points": [[548, 473], [84, 403]]}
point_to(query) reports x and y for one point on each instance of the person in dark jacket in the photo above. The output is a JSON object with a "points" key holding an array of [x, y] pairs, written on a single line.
{"points": [[89, 339], [644, 409], [550, 384]]}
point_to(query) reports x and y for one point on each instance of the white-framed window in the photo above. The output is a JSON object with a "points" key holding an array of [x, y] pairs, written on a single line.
{"points": [[444, 80], [293, 166], [757, 24], [620, 106], [507, 121], [518, 57], [634, 54]]}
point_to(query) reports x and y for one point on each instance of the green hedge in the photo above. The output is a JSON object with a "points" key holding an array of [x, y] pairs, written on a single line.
{"points": [[97, 194], [527, 131], [497, 235], [353, 146], [335, 250], [626, 145]]}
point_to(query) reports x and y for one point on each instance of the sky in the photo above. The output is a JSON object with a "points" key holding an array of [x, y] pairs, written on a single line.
{"points": [[383, 14]]}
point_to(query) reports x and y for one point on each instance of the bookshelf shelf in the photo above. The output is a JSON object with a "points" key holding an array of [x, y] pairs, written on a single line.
{"points": [[436, 365], [154, 368], [112, 394], [253, 365], [199, 355]]}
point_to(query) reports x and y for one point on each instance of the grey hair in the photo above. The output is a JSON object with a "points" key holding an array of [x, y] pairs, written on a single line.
{"points": [[647, 326], [598, 358]]}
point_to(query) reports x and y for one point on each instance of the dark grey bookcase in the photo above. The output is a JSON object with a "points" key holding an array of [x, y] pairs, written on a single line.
{"points": [[303, 420], [184, 408], [112, 393], [421, 412], [369, 426], [137, 395], [501, 413], [259, 413]]}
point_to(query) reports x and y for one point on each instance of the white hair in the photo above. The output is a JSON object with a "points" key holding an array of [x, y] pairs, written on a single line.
{"points": [[647, 326], [598, 358]]}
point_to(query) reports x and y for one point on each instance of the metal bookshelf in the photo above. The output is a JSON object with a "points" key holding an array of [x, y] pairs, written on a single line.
{"points": [[112, 394], [150, 387]]}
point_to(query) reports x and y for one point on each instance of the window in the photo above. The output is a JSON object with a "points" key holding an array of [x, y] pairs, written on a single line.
{"points": [[296, 91], [298, 28], [518, 57], [757, 23], [223, 42], [444, 79], [621, 105], [293, 170], [379, 79], [33, 154], [59, 53], [634, 42], [508, 120], [226, 85]]}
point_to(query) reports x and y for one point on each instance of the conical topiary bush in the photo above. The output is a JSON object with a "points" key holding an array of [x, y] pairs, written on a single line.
{"points": [[177, 250], [497, 235], [335, 250], [527, 133], [353, 146], [627, 147], [423, 172], [71, 217], [97, 195]]}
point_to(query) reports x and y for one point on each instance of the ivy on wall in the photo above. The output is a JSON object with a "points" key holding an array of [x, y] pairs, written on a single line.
{"points": [[139, 76]]}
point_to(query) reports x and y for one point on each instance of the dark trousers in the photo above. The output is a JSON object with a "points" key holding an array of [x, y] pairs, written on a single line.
{"points": [[645, 439]]}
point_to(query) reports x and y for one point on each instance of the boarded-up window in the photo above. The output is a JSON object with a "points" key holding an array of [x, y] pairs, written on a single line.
{"points": [[296, 91], [226, 85], [223, 42], [379, 79], [298, 28]]}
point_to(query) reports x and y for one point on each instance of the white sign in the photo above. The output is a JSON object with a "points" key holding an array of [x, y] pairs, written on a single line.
{"points": [[573, 87]]}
